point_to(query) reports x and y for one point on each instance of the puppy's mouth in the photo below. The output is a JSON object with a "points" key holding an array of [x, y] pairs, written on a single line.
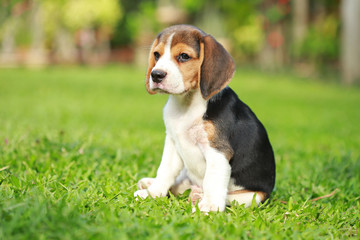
{"points": [[159, 87], [163, 89], [160, 90]]}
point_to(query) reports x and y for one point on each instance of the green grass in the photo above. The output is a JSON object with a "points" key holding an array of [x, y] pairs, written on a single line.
{"points": [[74, 142]]}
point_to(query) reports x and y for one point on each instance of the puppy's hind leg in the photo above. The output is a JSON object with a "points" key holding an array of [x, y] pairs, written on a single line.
{"points": [[246, 197]]}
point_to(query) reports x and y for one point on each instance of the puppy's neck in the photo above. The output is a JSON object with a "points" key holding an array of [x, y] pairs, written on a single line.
{"points": [[188, 99], [191, 104]]}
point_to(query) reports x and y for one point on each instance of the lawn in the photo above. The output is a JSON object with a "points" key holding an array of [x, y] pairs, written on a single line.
{"points": [[74, 141]]}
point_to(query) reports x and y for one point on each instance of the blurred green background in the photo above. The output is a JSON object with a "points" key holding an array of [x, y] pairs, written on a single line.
{"points": [[313, 38]]}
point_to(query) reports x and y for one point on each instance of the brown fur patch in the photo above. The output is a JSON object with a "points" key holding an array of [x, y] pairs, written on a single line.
{"points": [[160, 48], [151, 64], [201, 58], [187, 39], [217, 69], [189, 36], [189, 69], [217, 141]]}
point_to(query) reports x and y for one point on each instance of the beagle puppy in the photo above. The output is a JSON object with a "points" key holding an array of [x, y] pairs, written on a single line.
{"points": [[214, 144]]}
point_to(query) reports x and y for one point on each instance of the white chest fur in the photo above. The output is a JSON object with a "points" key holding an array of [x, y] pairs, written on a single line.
{"points": [[184, 125]]}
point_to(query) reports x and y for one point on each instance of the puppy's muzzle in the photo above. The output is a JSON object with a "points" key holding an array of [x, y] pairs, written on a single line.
{"points": [[158, 75]]}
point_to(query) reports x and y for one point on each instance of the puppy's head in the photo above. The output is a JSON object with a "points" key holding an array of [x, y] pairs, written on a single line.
{"points": [[183, 58]]}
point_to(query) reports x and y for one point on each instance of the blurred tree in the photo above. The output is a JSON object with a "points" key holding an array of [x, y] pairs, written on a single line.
{"points": [[320, 44], [60, 37], [211, 19], [350, 57], [273, 53], [169, 12], [94, 21], [10, 21], [6, 9], [91, 13], [126, 28], [147, 26], [300, 20], [63, 26], [235, 23], [36, 54], [318, 51], [243, 23], [7, 52]]}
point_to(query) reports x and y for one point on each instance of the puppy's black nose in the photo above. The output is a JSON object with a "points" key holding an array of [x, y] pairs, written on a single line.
{"points": [[158, 75]]}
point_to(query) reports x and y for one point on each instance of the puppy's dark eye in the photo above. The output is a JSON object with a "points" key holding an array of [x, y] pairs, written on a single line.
{"points": [[156, 55], [183, 57]]}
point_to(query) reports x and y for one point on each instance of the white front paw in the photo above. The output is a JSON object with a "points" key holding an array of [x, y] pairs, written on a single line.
{"points": [[209, 205], [145, 183], [151, 191], [141, 194]]}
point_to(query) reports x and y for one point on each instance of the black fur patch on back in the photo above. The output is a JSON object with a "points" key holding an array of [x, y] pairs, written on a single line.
{"points": [[252, 163]]}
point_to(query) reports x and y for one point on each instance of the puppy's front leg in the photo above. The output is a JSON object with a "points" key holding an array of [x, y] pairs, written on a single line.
{"points": [[170, 167], [216, 181]]}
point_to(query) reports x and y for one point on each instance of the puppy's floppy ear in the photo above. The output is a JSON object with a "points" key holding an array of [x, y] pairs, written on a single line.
{"points": [[151, 65], [217, 68]]}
